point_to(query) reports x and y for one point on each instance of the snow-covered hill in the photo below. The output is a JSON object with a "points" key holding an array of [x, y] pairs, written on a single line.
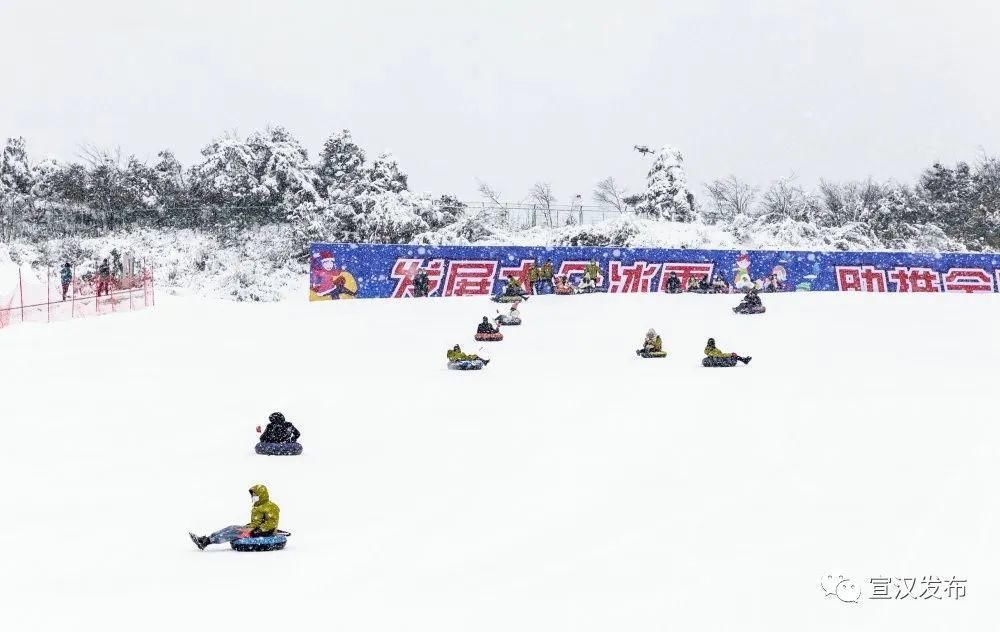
{"points": [[569, 486]]}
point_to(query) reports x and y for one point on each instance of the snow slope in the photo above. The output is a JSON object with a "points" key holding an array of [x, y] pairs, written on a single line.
{"points": [[569, 486]]}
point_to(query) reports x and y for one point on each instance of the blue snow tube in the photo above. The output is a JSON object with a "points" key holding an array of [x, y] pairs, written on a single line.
{"points": [[260, 543], [712, 361], [466, 365], [510, 322], [509, 298], [279, 449]]}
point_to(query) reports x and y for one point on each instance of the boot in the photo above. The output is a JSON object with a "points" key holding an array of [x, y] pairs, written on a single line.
{"points": [[746, 360], [200, 541]]}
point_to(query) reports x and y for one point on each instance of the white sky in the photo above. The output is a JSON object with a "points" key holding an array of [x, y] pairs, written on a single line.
{"points": [[517, 91]]}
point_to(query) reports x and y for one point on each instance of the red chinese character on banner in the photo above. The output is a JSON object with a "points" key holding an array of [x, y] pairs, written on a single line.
{"points": [[521, 274], [684, 272], [860, 279], [967, 280], [405, 269], [467, 278], [915, 279], [637, 277], [570, 268]]}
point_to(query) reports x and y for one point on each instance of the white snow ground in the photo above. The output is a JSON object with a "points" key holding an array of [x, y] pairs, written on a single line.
{"points": [[569, 486]]}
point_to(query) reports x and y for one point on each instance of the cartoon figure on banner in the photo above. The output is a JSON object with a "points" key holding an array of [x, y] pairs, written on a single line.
{"points": [[327, 282], [775, 282], [741, 280], [805, 285]]}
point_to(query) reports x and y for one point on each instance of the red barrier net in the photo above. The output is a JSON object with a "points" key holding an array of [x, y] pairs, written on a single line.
{"points": [[50, 299]]}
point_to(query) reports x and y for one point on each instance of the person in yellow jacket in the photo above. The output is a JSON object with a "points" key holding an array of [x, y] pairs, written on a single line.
{"points": [[455, 354], [263, 521], [652, 346], [653, 342], [711, 351]]}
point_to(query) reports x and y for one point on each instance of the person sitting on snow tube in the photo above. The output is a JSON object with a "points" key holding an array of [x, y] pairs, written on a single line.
{"points": [[456, 357], [263, 522], [716, 357], [562, 286], [486, 328], [751, 303], [280, 438], [513, 317], [513, 287], [652, 346], [279, 431], [692, 284]]}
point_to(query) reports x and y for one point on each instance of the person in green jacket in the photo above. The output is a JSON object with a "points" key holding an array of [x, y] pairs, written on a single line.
{"points": [[455, 354], [534, 276], [712, 351], [263, 521]]}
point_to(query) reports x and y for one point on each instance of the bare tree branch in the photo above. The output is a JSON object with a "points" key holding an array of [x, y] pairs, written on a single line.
{"points": [[489, 193], [541, 194], [608, 193], [731, 197]]}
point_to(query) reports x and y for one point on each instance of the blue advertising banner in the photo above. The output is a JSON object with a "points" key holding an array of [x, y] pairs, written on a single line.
{"points": [[340, 271]]}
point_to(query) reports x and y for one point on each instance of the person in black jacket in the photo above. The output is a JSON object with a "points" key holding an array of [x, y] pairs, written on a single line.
{"points": [[421, 283], [279, 431], [104, 278], [673, 284], [485, 327]]}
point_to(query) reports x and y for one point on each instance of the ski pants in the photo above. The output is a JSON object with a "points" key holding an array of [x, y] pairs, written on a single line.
{"points": [[227, 534]]}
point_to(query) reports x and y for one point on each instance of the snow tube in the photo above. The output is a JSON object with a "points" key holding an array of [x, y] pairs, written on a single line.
{"points": [[509, 322], [651, 354], [718, 362], [278, 449], [497, 337], [259, 543], [740, 309], [592, 290], [564, 291], [509, 298], [466, 365]]}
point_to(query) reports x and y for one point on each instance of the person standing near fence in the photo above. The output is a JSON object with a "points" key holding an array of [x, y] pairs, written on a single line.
{"points": [[103, 277], [117, 268], [65, 278]]}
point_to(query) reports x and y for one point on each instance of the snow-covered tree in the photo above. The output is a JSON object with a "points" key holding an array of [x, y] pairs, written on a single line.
{"points": [[15, 170], [667, 195], [340, 167], [266, 177]]}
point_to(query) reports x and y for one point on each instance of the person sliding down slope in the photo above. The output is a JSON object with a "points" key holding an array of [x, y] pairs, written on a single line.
{"points": [[455, 354], [513, 316], [751, 303], [263, 521], [653, 343], [711, 351], [486, 328], [513, 288], [652, 346], [279, 431]]}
